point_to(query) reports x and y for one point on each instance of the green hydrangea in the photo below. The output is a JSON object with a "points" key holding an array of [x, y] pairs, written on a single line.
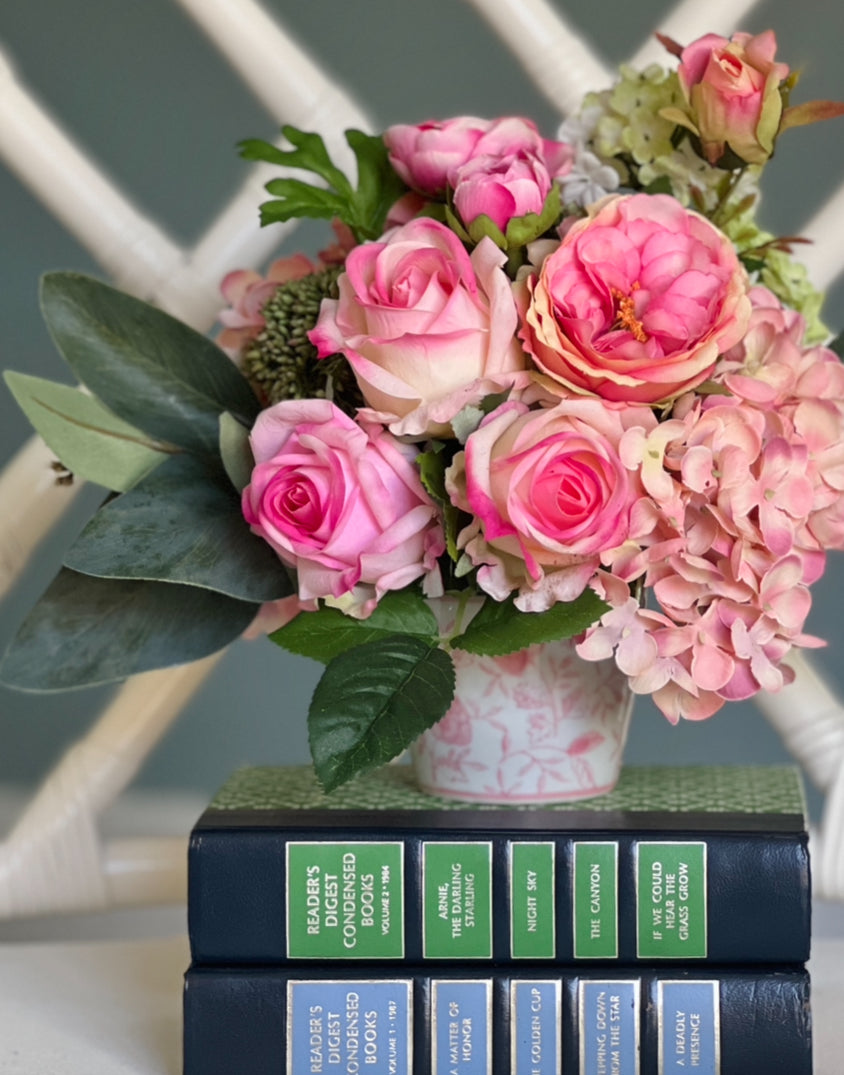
{"points": [[281, 362], [789, 281], [777, 270]]}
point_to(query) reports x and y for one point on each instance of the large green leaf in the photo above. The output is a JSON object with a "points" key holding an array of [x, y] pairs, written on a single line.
{"points": [[181, 524], [373, 701], [153, 371], [327, 632], [500, 628], [85, 631], [91, 442]]}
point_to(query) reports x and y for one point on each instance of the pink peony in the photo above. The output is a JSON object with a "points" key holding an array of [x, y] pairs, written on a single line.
{"points": [[428, 155], [501, 189], [549, 496], [637, 302], [732, 90], [426, 328], [341, 504]]}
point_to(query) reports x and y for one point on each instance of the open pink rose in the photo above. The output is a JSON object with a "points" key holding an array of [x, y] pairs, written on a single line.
{"points": [[341, 504], [426, 328], [732, 90], [549, 495], [427, 155], [637, 302]]}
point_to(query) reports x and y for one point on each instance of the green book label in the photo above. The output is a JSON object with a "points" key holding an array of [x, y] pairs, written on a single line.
{"points": [[345, 900], [457, 900], [595, 905], [532, 910], [671, 900]]}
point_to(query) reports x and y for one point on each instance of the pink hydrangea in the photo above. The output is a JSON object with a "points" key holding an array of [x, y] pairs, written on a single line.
{"points": [[637, 302]]}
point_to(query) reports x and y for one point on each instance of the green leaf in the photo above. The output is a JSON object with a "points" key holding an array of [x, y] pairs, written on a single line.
{"points": [[373, 701], [298, 199], [500, 628], [324, 634], [91, 442], [837, 345], [432, 467], [364, 209], [660, 185], [522, 230], [150, 369], [379, 187], [85, 631], [182, 524], [308, 153], [236, 452]]}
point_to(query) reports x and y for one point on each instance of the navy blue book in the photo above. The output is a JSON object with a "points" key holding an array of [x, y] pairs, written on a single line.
{"points": [[458, 1021], [690, 865]]}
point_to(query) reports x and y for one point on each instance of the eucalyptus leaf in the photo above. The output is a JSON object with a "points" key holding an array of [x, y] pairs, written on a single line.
{"points": [[182, 524], [236, 452], [153, 371], [324, 634], [86, 631], [373, 701], [500, 628], [90, 441]]}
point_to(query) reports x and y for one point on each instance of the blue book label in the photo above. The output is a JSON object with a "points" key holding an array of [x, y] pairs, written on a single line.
{"points": [[461, 1030], [349, 1026], [535, 1027], [689, 1027], [609, 1027]]}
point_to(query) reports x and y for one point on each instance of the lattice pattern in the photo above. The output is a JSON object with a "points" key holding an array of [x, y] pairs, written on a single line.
{"points": [[54, 859]]}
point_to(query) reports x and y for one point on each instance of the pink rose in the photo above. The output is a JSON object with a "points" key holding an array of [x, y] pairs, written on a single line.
{"points": [[732, 89], [501, 189], [637, 302], [341, 504], [426, 328], [428, 155], [549, 495]]}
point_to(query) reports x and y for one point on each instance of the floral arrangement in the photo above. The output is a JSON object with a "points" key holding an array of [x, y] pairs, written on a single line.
{"points": [[570, 381]]}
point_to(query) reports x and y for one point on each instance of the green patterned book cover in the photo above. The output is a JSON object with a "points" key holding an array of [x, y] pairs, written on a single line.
{"points": [[739, 789], [677, 864]]}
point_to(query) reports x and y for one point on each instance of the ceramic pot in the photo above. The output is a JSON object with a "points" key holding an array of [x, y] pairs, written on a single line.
{"points": [[537, 726]]}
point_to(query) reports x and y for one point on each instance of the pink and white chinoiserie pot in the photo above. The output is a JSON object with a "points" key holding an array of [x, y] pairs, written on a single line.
{"points": [[538, 726]]}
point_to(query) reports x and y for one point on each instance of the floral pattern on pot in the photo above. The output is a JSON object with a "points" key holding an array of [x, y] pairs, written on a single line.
{"points": [[541, 725]]}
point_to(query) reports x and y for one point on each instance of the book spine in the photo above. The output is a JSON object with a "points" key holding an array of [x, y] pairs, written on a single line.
{"points": [[447, 1021], [271, 896]]}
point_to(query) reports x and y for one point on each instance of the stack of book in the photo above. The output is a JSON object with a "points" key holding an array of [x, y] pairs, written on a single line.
{"points": [[661, 928]]}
